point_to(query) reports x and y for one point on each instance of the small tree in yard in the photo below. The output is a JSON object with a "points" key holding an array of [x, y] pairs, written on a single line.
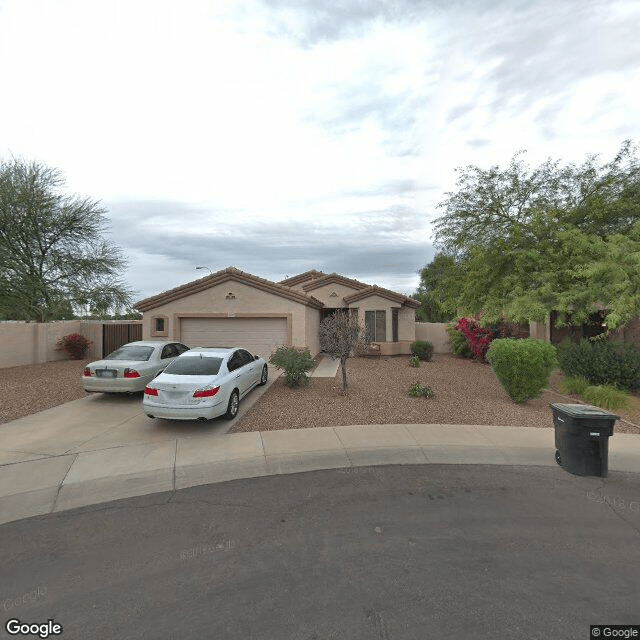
{"points": [[342, 336]]}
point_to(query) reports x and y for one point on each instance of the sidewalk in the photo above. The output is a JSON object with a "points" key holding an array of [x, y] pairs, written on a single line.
{"points": [[327, 367], [52, 483]]}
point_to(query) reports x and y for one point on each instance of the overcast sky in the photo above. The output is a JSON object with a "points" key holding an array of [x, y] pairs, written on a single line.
{"points": [[279, 136]]}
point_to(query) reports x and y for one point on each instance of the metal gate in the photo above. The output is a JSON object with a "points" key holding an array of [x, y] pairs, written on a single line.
{"points": [[115, 335]]}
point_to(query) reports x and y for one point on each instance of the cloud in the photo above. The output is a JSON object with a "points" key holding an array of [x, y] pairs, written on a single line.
{"points": [[166, 241]]}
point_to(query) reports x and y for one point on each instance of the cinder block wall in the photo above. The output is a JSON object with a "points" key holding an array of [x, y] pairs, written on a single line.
{"points": [[35, 342], [435, 333]]}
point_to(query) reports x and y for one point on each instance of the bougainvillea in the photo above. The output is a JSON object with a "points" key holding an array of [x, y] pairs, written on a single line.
{"points": [[75, 344], [478, 338]]}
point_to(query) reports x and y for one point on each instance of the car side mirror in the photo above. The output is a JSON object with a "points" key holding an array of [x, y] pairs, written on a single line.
{"points": [[256, 357]]}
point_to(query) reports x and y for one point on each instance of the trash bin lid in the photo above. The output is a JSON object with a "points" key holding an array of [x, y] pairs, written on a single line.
{"points": [[583, 411]]}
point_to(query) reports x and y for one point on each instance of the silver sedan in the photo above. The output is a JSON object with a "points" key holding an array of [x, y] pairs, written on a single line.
{"points": [[204, 383], [130, 367]]}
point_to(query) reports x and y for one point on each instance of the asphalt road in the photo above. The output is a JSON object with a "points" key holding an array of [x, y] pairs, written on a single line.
{"points": [[376, 553]]}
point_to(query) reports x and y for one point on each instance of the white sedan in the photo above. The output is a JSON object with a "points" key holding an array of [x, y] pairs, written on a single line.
{"points": [[204, 383], [130, 367]]}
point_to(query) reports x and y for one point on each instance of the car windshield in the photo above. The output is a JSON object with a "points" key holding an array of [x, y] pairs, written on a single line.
{"points": [[194, 366], [131, 352]]}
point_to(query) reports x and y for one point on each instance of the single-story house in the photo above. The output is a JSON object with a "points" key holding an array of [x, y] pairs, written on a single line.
{"points": [[231, 307]]}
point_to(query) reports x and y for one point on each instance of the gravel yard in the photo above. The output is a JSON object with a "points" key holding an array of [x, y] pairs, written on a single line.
{"points": [[466, 393], [35, 387]]}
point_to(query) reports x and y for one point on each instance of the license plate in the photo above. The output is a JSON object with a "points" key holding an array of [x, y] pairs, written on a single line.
{"points": [[105, 373]]}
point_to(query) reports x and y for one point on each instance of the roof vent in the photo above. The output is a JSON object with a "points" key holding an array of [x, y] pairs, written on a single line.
{"points": [[333, 295], [230, 296]]}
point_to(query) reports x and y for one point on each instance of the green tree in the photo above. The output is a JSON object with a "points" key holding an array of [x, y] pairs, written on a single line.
{"points": [[53, 256], [564, 238], [439, 286]]}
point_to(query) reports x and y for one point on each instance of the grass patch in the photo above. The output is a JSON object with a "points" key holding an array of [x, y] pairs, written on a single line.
{"points": [[573, 384], [605, 396]]}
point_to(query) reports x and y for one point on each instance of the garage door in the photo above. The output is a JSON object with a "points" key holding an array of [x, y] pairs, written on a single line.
{"points": [[260, 336]]}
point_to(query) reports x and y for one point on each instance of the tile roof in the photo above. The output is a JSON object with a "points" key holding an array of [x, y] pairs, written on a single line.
{"points": [[230, 273], [301, 277], [384, 293], [333, 278]]}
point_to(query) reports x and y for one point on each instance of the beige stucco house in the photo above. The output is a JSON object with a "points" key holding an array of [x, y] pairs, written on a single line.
{"points": [[233, 308]]}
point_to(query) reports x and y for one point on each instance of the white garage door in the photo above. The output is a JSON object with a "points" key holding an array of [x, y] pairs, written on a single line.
{"points": [[260, 336]]}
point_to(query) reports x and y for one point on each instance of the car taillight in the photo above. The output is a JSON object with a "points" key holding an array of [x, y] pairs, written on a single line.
{"points": [[206, 393], [131, 373], [87, 373], [150, 391]]}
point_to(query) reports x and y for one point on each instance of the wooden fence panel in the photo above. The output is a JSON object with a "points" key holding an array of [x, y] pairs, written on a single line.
{"points": [[115, 335]]}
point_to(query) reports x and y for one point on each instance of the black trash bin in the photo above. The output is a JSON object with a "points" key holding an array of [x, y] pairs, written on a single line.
{"points": [[582, 438]]}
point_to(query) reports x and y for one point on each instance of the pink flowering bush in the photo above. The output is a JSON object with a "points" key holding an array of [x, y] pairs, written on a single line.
{"points": [[75, 344], [478, 338]]}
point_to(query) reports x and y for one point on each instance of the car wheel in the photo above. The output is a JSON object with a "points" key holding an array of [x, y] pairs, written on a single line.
{"points": [[558, 458], [265, 375], [232, 407]]}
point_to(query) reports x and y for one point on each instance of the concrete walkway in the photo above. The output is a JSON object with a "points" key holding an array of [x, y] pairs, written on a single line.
{"points": [[327, 367], [105, 468]]}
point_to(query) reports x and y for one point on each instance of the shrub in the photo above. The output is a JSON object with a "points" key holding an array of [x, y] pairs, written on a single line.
{"points": [[457, 342], [606, 397], [478, 338], [601, 362], [575, 385], [295, 364], [422, 349], [414, 361], [418, 390], [75, 344], [523, 367]]}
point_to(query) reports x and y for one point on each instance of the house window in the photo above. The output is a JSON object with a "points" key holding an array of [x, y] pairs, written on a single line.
{"points": [[159, 326], [376, 324]]}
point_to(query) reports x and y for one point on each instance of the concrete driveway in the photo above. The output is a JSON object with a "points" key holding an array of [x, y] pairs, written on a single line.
{"points": [[87, 440]]}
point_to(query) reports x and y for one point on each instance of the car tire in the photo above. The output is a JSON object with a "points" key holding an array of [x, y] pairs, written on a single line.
{"points": [[232, 407], [265, 375]]}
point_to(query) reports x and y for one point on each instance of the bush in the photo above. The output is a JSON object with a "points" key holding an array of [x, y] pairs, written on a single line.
{"points": [[414, 361], [295, 364], [523, 367], [418, 390], [478, 338], [422, 349], [575, 385], [457, 342], [75, 344], [601, 362], [606, 397]]}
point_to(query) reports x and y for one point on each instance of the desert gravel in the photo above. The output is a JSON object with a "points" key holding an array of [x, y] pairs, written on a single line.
{"points": [[35, 387], [466, 392]]}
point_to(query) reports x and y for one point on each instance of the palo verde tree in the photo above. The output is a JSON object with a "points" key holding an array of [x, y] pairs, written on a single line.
{"points": [[342, 335], [53, 256], [529, 241]]}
